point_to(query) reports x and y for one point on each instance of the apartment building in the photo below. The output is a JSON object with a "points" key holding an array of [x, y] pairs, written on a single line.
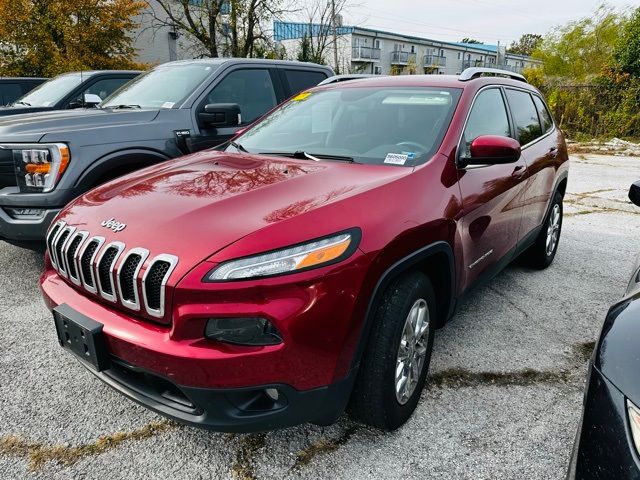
{"points": [[365, 50]]}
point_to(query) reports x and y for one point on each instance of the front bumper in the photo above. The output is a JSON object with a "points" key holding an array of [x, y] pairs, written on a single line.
{"points": [[26, 233], [173, 370], [604, 447]]}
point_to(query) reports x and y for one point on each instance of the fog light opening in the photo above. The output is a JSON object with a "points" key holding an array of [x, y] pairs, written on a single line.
{"points": [[25, 213], [243, 331]]}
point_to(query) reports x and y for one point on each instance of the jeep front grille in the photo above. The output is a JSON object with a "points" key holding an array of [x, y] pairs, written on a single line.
{"points": [[111, 271]]}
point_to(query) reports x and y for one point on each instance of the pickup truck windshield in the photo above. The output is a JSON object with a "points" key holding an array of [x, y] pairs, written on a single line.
{"points": [[393, 125], [52, 91], [162, 87]]}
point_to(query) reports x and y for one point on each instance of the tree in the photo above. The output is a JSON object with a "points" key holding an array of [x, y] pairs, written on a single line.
{"points": [[582, 48], [236, 28], [48, 37], [321, 20], [526, 45], [626, 53], [471, 40]]}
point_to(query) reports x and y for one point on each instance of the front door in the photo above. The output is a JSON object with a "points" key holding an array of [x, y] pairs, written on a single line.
{"points": [[254, 92], [492, 195]]}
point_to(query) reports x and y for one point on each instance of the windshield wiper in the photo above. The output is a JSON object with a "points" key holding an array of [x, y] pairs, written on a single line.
{"points": [[302, 155], [238, 147], [122, 107], [23, 103]]}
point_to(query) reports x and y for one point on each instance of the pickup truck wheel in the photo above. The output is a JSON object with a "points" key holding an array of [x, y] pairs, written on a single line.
{"points": [[543, 251], [396, 361]]}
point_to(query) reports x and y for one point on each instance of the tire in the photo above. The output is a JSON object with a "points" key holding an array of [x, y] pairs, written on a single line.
{"points": [[374, 400], [541, 254]]}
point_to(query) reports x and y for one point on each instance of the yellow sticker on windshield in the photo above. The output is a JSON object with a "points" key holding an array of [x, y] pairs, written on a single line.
{"points": [[301, 96]]}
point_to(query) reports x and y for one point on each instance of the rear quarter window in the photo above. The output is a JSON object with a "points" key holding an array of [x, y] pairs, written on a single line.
{"points": [[525, 116], [300, 80]]}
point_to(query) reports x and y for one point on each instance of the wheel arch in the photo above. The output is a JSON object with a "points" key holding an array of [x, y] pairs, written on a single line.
{"points": [[437, 262], [117, 164]]}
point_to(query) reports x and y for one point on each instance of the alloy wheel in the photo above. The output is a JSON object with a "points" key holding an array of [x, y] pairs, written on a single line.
{"points": [[412, 351]]}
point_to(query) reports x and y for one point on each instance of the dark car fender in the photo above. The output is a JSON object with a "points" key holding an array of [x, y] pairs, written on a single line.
{"points": [[118, 163]]}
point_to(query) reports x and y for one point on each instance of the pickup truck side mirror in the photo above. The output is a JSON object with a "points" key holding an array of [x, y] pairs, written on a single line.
{"points": [[493, 150], [634, 193], [221, 115]]}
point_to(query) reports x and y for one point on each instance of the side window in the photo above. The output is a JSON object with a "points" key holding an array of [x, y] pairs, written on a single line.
{"points": [[525, 116], [488, 117], [9, 92], [545, 117], [300, 80], [251, 89], [104, 88]]}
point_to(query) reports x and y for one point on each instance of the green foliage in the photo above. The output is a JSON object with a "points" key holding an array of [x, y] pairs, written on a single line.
{"points": [[471, 40], [304, 54], [627, 51], [48, 37], [526, 45], [582, 48]]}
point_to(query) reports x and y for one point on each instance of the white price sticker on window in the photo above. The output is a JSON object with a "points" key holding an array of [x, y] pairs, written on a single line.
{"points": [[396, 158]]}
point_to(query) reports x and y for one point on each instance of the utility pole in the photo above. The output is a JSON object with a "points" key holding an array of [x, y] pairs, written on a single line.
{"points": [[335, 36], [498, 56]]}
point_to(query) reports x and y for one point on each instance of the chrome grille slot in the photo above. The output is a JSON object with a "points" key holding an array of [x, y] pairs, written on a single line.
{"points": [[59, 247], [128, 277], [71, 256], [104, 270], [155, 281], [55, 230], [87, 256]]}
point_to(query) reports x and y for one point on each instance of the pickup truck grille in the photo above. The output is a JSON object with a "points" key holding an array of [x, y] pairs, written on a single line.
{"points": [[97, 268], [7, 169]]}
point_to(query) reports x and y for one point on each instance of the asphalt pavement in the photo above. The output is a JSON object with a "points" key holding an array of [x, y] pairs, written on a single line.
{"points": [[503, 401]]}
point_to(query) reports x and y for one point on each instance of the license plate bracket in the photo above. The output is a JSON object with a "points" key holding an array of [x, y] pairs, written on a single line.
{"points": [[82, 336]]}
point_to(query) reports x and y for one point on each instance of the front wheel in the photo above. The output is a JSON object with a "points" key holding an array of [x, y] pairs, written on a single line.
{"points": [[543, 251], [396, 361]]}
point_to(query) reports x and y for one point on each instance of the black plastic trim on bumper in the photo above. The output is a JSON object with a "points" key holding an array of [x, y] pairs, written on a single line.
{"points": [[238, 410]]}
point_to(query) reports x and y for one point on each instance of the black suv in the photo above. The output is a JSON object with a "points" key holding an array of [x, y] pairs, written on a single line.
{"points": [[12, 88], [70, 90], [48, 159]]}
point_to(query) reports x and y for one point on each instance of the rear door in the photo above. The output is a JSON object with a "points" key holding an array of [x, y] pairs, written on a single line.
{"points": [[255, 89], [492, 195], [296, 79], [535, 130]]}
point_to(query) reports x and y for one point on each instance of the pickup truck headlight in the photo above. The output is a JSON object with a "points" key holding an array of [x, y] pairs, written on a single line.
{"points": [[313, 254], [39, 166]]}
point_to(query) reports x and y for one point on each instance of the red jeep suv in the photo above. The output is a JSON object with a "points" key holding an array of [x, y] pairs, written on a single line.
{"points": [[302, 268]]}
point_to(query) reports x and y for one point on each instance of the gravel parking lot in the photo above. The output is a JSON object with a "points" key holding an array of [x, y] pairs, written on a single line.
{"points": [[503, 401]]}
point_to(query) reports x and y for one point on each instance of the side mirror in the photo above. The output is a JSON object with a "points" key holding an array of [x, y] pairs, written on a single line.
{"points": [[493, 150], [91, 100], [634, 193], [221, 115]]}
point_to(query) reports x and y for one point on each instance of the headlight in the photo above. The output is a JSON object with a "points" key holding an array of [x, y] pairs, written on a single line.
{"points": [[39, 166], [634, 422], [313, 254]]}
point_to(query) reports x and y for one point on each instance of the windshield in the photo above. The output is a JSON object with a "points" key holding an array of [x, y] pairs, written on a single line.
{"points": [[162, 87], [398, 126], [52, 91]]}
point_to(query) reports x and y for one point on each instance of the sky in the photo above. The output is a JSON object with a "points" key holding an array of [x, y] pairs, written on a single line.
{"points": [[489, 21]]}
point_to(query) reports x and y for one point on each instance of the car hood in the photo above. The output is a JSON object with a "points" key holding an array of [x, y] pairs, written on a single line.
{"points": [[32, 127], [196, 206]]}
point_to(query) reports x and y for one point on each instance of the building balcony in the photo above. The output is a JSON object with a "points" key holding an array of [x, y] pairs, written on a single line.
{"points": [[403, 58], [365, 54], [435, 61]]}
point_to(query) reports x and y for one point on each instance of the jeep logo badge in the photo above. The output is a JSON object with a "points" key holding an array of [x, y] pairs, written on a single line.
{"points": [[114, 225]]}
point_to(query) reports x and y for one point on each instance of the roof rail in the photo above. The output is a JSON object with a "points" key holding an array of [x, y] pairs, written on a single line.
{"points": [[345, 78], [475, 72]]}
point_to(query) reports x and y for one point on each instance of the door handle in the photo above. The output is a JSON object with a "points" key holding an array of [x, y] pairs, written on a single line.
{"points": [[519, 171], [553, 151]]}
